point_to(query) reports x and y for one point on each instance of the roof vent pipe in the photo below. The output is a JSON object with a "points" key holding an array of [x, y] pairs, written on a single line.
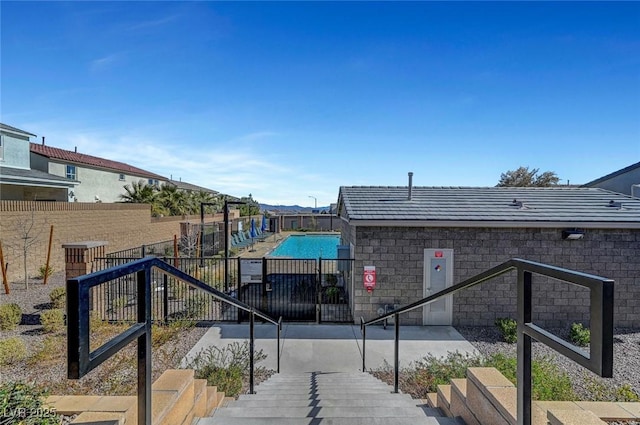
{"points": [[75, 149], [42, 140], [410, 185]]}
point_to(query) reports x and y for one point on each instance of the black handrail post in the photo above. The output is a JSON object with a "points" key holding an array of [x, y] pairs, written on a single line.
{"points": [[396, 349], [364, 341], [524, 347], [319, 293], [251, 348], [279, 331], [165, 299], [144, 346]]}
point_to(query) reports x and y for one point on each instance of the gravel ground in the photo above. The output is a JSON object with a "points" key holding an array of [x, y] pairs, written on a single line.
{"points": [[34, 301], [626, 351]]}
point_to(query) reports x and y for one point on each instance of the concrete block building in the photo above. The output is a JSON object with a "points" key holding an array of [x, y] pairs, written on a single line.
{"points": [[422, 239]]}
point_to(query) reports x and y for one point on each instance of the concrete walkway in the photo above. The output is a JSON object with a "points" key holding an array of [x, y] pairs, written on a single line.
{"points": [[337, 348]]}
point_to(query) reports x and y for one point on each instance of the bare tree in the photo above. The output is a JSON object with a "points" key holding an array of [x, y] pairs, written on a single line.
{"points": [[189, 238], [29, 231]]}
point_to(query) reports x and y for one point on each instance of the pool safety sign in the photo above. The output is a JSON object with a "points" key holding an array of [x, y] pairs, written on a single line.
{"points": [[369, 278], [250, 270]]}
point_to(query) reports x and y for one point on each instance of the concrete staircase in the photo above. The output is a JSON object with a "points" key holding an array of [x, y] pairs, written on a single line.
{"points": [[326, 398]]}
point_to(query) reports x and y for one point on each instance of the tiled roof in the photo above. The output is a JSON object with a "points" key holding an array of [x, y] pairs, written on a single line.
{"points": [[33, 177], [488, 204], [612, 175], [191, 187], [93, 161], [15, 130]]}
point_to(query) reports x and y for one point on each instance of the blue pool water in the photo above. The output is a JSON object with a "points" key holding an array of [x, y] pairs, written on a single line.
{"points": [[308, 246]]}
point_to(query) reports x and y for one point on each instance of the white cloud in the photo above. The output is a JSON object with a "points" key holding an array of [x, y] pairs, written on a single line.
{"points": [[103, 63]]}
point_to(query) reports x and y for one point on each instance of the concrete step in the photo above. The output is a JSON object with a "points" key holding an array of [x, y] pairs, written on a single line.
{"points": [[331, 421], [309, 397], [324, 402], [326, 398], [322, 412]]}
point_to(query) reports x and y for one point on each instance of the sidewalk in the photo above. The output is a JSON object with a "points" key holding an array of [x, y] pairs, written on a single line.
{"points": [[337, 348]]}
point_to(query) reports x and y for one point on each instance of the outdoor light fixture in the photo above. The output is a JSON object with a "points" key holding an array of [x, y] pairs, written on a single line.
{"points": [[572, 234], [71, 194]]}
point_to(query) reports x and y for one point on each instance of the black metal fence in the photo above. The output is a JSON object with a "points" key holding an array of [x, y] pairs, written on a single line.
{"points": [[201, 240], [301, 289], [298, 290], [171, 299]]}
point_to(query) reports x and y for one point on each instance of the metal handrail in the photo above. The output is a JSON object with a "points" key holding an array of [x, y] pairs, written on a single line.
{"points": [[600, 356], [80, 360]]}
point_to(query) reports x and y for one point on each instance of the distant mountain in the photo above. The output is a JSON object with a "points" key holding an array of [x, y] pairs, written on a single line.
{"points": [[290, 208]]}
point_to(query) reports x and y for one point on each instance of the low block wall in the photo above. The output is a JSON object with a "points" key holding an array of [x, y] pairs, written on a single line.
{"points": [[121, 225]]}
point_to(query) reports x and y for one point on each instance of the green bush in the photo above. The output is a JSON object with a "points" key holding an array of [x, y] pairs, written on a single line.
{"points": [[12, 350], [579, 335], [10, 316], [58, 297], [226, 367], [598, 391], [508, 328], [424, 376], [43, 271], [25, 403], [549, 383], [432, 371], [52, 321], [53, 348]]}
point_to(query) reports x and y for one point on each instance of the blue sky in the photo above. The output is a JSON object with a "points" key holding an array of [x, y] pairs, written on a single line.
{"points": [[291, 100]]}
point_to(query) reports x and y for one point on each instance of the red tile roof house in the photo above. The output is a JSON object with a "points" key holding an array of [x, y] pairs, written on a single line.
{"points": [[100, 180]]}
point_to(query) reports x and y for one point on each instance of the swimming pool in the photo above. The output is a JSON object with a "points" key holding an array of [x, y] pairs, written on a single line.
{"points": [[308, 246]]}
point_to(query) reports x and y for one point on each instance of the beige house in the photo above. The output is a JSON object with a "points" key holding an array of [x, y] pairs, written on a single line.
{"points": [[99, 179]]}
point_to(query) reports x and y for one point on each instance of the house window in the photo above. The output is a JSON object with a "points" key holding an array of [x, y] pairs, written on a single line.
{"points": [[153, 182], [72, 172], [1, 147], [121, 177]]}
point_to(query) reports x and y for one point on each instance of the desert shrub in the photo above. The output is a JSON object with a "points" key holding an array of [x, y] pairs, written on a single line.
{"points": [[424, 376], [10, 316], [58, 297], [43, 271], [26, 401], [53, 347], [579, 335], [12, 350], [226, 367], [508, 329], [160, 334], [52, 321], [549, 382], [599, 391]]}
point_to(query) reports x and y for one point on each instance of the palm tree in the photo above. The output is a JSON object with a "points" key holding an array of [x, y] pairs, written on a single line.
{"points": [[173, 200], [202, 197], [139, 193]]}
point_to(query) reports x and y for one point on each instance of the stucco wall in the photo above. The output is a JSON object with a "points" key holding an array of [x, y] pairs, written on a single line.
{"points": [[398, 255], [121, 225], [104, 184], [15, 152]]}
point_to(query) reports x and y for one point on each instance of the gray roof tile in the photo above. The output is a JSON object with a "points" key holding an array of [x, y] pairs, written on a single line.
{"points": [[487, 204]]}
